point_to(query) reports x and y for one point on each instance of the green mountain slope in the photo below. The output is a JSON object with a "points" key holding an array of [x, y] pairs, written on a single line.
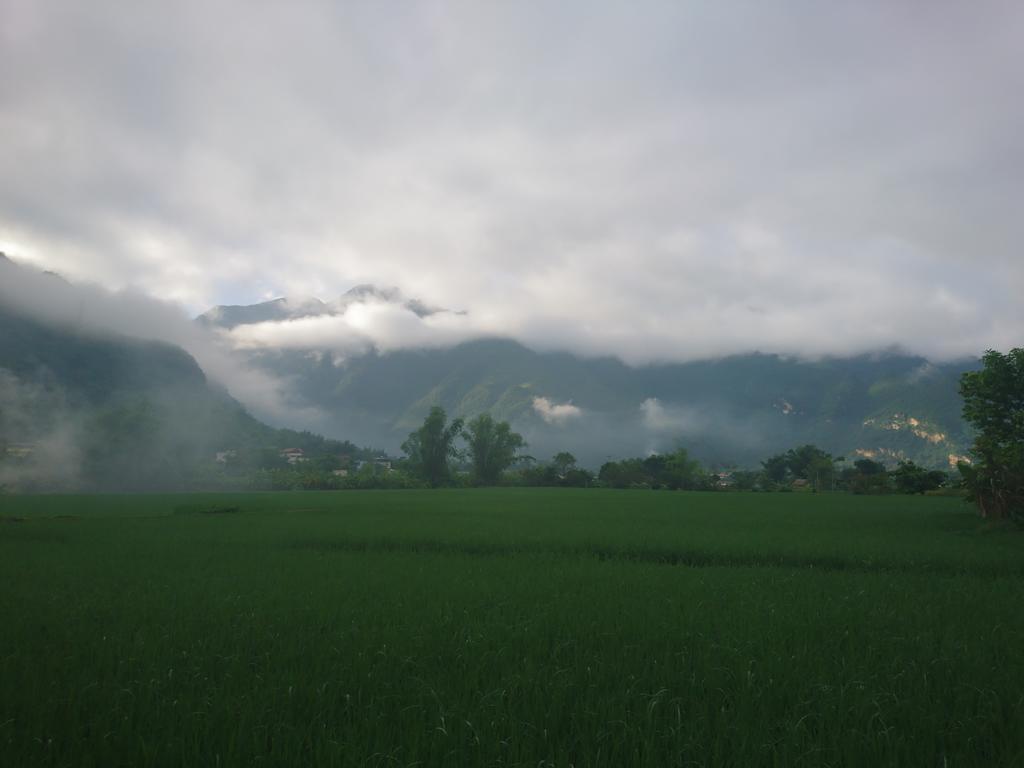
{"points": [[81, 411], [735, 410]]}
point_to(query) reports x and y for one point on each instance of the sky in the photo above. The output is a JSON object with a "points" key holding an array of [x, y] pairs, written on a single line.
{"points": [[656, 181]]}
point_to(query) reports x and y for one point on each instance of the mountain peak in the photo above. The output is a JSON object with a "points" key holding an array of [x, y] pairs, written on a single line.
{"points": [[369, 290], [285, 308]]}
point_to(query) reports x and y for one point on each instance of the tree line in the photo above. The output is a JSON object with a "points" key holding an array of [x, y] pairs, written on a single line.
{"points": [[993, 478], [491, 447], [132, 446], [491, 451]]}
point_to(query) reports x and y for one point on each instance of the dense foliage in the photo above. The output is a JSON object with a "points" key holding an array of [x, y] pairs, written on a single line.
{"points": [[493, 447], [431, 448], [808, 463], [910, 478], [994, 405], [561, 471], [674, 471]]}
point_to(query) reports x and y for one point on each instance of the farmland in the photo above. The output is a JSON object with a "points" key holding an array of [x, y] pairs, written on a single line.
{"points": [[508, 627]]}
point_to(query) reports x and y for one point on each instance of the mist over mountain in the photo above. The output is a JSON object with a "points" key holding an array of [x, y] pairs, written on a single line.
{"points": [[730, 411], [106, 412], [282, 309], [86, 407], [366, 368]]}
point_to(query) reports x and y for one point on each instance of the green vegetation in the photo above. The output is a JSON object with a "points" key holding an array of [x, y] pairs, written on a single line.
{"points": [[674, 471], [810, 466], [994, 404], [840, 404], [114, 414], [493, 447], [508, 627], [431, 447], [808, 463], [910, 478], [560, 472]]}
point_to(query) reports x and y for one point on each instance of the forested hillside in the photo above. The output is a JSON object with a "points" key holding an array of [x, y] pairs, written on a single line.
{"points": [[81, 411]]}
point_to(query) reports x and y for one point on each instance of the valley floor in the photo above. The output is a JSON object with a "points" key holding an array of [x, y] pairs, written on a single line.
{"points": [[523, 627]]}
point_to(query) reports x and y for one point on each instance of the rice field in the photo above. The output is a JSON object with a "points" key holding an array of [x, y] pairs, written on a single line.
{"points": [[519, 627]]}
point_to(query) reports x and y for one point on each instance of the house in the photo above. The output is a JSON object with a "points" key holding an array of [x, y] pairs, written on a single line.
{"points": [[293, 455], [339, 472], [379, 464]]}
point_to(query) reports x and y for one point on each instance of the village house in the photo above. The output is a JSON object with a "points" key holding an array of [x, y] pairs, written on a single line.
{"points": [[293, 455], [379, 464]]}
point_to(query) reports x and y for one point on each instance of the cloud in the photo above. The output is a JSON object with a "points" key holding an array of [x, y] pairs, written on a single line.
{"points": [[660, 182], [658, 418], [36, 414], [556, 413], [91, 309], [361, 326], [668, 425]]}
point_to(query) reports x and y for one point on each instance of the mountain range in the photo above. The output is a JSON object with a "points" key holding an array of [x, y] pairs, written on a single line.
{"points": [[734, 410], [277, 310], [731, 411], [86, 409]]}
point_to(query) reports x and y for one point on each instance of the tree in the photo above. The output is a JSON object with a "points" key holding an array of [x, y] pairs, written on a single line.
{"points": [[563, 462], [577, 478], [432, 446], [776, 468], [812, 464], [674, 471], [685, 473], [867, 476], [808, 462], [994, 405], [492, 447], [869, 468], [746, 479], [628, 473], [908, 477]]}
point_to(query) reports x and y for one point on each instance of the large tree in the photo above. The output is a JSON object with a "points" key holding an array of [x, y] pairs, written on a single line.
{"points": [[685, 473], [432, 446], [908, 477], [493, 446], [808, 462], [994, 405], [563, 462]]}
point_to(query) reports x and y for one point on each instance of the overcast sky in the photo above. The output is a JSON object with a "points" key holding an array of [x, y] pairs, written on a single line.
{"points": [[660, 181]]}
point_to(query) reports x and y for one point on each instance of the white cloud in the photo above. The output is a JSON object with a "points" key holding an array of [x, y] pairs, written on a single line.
{"points": [[91, 309], [556, 413], [676, 419], [363, 325], [659, 181]]}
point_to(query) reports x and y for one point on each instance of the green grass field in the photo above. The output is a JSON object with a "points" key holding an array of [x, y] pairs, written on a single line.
{"points": [[509, 627]]}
